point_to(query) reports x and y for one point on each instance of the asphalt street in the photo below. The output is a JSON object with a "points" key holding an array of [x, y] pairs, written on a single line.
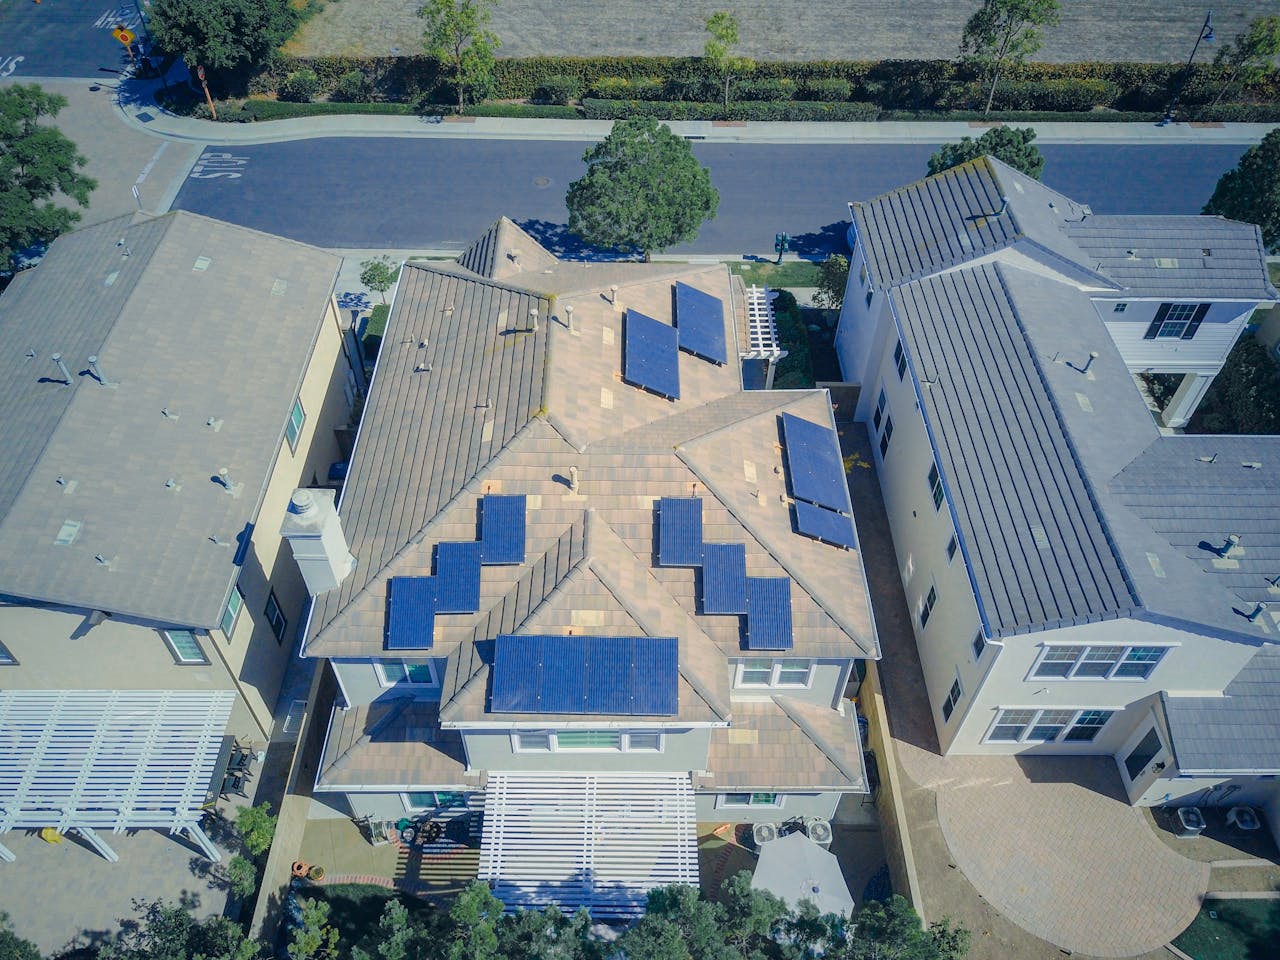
{"points": [[439, 194], [63, 38]]}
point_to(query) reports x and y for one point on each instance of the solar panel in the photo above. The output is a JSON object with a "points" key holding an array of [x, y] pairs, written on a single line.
{"points": [[411, 620], [823, 524], [815, 464], [651, 355], [457, 577], [502, 530], [680, 532], [724, 578], [768, 613], [625, 676], [700, 324]]}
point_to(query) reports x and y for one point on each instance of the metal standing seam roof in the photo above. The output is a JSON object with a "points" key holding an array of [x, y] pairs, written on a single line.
{"points": [[1035, 539], [142, 484]]}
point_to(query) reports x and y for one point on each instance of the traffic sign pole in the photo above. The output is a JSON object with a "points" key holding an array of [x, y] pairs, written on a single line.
{"points": [[203, 83]]}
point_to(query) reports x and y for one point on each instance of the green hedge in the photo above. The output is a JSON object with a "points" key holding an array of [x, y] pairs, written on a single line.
{"points": [[278, 110], [1050, 95], [750, 110], [544, 111]]}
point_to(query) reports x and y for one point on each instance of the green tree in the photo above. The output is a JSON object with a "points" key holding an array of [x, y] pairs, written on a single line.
{"points": [[547, 935], [1251, 54], [653, 938], [36, 162], [456, 35], [474, 920], [1245, 395], [643, 191], [1013, 145], [1251, 192], [242, 875], [1002, 32], [12, 946], [169, 932], [700, 922], [751, 917], [723, 27], [379, 274], [833, 277], [257, 827], [222, 34], [891, 930], [314, 938]]}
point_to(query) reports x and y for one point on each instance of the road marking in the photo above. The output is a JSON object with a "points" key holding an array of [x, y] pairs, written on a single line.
{"points": [[213, 166], [9, 64], [151, 163], [125, 15]]}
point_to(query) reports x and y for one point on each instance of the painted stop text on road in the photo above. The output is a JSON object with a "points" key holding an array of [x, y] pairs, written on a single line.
{"points": [[9, 64], [218, 166]]}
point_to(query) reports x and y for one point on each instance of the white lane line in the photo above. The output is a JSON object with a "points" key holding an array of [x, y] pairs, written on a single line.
{"points": [[151, 163]]}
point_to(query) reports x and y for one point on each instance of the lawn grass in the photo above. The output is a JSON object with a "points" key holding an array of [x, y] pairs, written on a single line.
{"points": [[791, 273], [357, 908], [1241, 930]]}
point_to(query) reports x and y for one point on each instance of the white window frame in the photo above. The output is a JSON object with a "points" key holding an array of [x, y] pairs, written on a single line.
{"points": [[235, 604], [379, 667], [724, 803], [273, 614], [178, 656], [553, 738], [411, 807], [293, 433], [1077, 713], [775, 674], [1073, 672]]}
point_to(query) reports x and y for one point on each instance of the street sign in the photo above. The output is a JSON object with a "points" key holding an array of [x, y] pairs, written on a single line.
{"points": [[200, 73], [124, 36]]}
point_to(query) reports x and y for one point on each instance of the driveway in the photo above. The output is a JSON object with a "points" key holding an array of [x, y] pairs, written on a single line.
{"points": [[1034, 856]]}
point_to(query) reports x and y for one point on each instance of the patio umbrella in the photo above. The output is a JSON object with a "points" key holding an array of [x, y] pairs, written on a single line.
{"points": [[795, 868]]}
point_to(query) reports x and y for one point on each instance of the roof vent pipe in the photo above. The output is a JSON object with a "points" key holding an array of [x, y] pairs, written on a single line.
{"points": [[568, 313], [62, 368], [1004, 205], [1232, 542], [533, 320], [573, 479], [97, 371], [613, 294], [1257, 611]]}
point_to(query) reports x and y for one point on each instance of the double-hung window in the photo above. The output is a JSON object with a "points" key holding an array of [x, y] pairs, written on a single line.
{"points": [[1097, 662], [979, 645], [402, 672], [184, 645], [886, 436], [900, 359], [1021, 725], [275, 617], [235, 603], [587, 741], [935, 486], [927, 604], [952, 545], [293, 429], [878, 417], [1176, 321], [774, 673], [953, 698]]}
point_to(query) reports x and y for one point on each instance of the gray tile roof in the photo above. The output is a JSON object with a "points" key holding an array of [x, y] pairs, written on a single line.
{"points": [[227, 338], [1033, 535], [392, 742], [1234, 733], [959, 215], [1165, 256]]}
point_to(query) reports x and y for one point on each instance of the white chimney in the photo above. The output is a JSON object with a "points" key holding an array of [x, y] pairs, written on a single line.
{"points": [[313, 529]]}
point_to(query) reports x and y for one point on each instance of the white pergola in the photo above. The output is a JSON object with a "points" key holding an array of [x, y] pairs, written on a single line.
{"points": [[90, 760], [600, 841], [762, 332]]}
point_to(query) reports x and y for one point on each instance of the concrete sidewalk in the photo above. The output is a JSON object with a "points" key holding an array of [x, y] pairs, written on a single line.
{"points": [[138, 109]]}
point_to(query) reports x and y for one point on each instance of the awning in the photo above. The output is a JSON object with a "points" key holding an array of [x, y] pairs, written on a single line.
{"points": [[85, 760], [795, 868], [600, 841]]}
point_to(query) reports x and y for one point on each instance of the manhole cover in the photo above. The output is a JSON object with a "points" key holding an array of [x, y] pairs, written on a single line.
{"points": [[542, 182]]}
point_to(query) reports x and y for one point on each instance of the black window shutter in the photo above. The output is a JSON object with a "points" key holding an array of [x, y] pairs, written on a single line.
{"points": [[1155, 324], [1194, 325]]}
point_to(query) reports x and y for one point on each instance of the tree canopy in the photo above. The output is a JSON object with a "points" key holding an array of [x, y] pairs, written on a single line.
{"points": [[14, 947], [1013, 145], [222, 34], [1004, 31], [1245, 395], [169, 932], [379, 274], [723, 29], [36, 162], [457, 35], [1251, 191], [1250, 54], [643, 191]]}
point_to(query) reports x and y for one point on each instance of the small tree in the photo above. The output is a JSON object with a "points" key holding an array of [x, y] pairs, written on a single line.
{"points": [[1004, 31], [723, 27], [379, 275], [643, 191], [242, 876], [221, 34], [1251, 192], [1013, 145], [169, 932], [257, 828], [14, 947], [314, 938], [474, 918], [456, 35], [833, 277], [1251, 54], [888, 929], [36, 163]]}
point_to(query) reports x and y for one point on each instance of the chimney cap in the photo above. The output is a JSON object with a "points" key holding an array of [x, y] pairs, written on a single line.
{"points": [[302, 502]]}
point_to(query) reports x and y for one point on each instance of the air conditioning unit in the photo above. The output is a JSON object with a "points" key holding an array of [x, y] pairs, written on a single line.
{"points": [[819, 831], [762, 833]]}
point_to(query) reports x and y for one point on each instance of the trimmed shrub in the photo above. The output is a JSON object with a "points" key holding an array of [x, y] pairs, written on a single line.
{"points": [[1237, 113], [691, 89], [827, 89], [1051, 95], [1024, 116], [547, 111], [558, 90], [749, 110], [352, 87], [280, 110], [770, 88], [301, 86]]}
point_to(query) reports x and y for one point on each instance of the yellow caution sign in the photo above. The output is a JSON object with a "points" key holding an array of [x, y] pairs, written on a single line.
{"points": [[124, 36]]}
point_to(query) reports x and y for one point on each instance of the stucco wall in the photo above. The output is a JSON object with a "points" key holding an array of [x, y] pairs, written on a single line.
{"points": [[827, 680], [793, 805], [683, 750], [360, 683]]}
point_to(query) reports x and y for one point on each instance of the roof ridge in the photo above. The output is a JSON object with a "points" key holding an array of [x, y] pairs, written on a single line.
{"points": [[395, 707], [795, 711]]}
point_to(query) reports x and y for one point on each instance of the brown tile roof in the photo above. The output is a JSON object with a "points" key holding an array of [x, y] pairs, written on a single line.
{"points": [[397, 742]]}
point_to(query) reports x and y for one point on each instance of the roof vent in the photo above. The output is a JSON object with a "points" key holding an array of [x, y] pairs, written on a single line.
{"points": [[229, 485], [215, 423], [62, 369], [169, 414], [201, 265], [1258, 611], [1167, 263], [102, 560], [1132, 254], [29, 355], [1230, 546], [68, 532], [1004, 205], [278, 287], [111, 278], [1206, 252], [172, 484], [1251, 464], [97, 372], [1209, 459]]}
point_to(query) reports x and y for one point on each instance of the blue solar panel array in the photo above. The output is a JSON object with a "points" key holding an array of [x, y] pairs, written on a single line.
{"points": [[680, 532], [724, 578], [768, 613], [826, 525], [622, 676], [700, 324], [651, 355], [411, 617], [814, 462], [502, 529], [413, 602]]}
